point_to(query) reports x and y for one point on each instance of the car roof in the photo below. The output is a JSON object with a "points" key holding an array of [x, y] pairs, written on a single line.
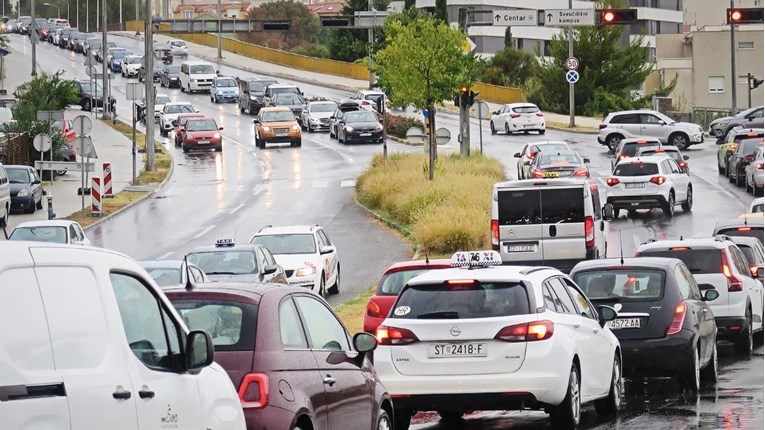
{"points": [[16, 166], [47, 223], [641, 140], [616, 263], [438, 263], [560, 152], [179, 103], [626, 112], [286, 229], [663, 148], [212, 248], [520, 104], [246, 291], [282, 86], [482, 274], [739, 222], [707, 242], [532, 183], [745, 240], [276, 109], [155, 264], [656, 159], [548, 142]]}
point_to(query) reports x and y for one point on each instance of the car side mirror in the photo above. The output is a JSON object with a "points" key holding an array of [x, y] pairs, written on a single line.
{"points": [[496, 112], [661, 122], [174, 122], [686, 158], [608, 212], [332, 117], [36, 181], [517, 155], [364, 342], [199, 350], [327, 249], [605, 314], [256, 121], [220, 128], [196, 110], [181, 128], [710, 295], [270, 269], [750, 118], [758, 272], [586, 160]]}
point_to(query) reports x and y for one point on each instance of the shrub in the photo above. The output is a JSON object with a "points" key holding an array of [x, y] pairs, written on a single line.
{"points": [[397, 125], [312, 50]]}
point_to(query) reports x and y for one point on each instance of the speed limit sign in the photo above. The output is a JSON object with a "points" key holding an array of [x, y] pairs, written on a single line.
{"points": [[572, 63]]}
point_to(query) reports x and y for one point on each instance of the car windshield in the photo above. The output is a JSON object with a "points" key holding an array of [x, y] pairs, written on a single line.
{"points": [[288, 99], [548, 147], [178, 109], [636, 168], [119, 55], [201, 125], [162, 100], [632, 148], [40, 234], [18, 176], [699, 260], [548, 158], [392, 283], [225, 82], [225, 262], [360, 117], [87, 86], [461, 301], [200, 69], [231, 324], [284, 90], [526, 109], [322, 107], [132, 60], [619, 284], [173, 70], [742, 231], [749, 253], [259, 86], [274, 116], [280, 244], [165, 276], [177, 43]]}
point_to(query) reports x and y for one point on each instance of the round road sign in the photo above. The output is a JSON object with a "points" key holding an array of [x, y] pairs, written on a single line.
{"points": [[415, 136], [83, 145], [82, 125], [42, 142], [480, 110], [443, 136], [572, 76], [572, 63]]}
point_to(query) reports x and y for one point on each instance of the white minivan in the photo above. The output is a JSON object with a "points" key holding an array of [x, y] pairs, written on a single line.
{"points": [[5, 197], [197, 76], [90, 341]]}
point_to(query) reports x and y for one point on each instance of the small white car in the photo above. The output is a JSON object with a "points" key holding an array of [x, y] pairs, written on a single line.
{"points": [[159, 104], [756, 206], [717, 262], [754, 172], [647, 183], [309, 258], [368, 99], [170, 112], [53, 231], [130, 66], [178, 47], [518, 117], [480, 337], [648, 123]]}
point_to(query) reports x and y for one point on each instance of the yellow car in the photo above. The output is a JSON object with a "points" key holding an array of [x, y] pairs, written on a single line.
{"points": [[277, 125], [730, 144]]}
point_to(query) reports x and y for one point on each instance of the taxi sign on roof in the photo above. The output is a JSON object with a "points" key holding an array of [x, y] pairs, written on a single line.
{"points": [[224, 243], [476, 258]]}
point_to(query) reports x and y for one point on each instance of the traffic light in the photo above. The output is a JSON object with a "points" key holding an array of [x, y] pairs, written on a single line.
{"points": [[617, 16], [464, 96], [337, 21], [754, 82], [745, 15], [471, 99], [276, 25]]}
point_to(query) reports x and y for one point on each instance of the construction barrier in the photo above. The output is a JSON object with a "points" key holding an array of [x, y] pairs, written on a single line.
{"points": [[95, 196], [108, 192]]}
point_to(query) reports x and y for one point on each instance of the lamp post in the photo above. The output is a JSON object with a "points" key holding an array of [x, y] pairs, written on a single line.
{"points": [[67, 12], [53, 5]]}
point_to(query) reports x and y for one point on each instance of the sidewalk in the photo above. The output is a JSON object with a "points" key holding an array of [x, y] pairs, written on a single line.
{"points": [[231, 59], [111, 146]]}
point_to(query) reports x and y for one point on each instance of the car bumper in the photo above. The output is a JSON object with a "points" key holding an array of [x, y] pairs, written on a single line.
{"points": [[200, 86], [194, 145], [22, 203], [697, 138], [648, 357], [527, 126], [130, 72], [358, 138], [309, 282], [229, 98], [319, 125], [637, 202], [174, 82], [728, 328], [281, 139], [270, 418]]}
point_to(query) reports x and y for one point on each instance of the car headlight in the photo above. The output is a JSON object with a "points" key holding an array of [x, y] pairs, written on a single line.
{"points": [[220, 92], [216, 136], [379, 128], [266, 128], [236, 92], [349, 129], [23, 193], [721, 124], [306, 271], [253, 98], [312, 119], [295, 127]]}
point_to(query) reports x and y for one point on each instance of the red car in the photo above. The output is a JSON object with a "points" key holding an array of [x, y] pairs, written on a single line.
{"points": [[393, 280], [289, 356], [65, 128], [180, 123], [201, 133]]}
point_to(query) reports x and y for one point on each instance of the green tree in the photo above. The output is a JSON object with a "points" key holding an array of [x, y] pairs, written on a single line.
{"points": [[508, 37], [409, 4], [440, 11], [352, 45], [304, 25], [604, 65], [510, 67]]}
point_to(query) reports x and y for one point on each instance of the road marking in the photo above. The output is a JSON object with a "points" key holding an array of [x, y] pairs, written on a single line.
{"points": [[723, 190], [204, 232], [347, 184], [233, 211], [320, 184], [165, 255]]}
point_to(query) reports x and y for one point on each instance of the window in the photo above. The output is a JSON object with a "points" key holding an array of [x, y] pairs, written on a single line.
{"points": [[622, 284], [187, 14], [596, 206], [582, 305], [745, 46], [290, 327], [324, 237], [151, 333], [562, 299], [72, 233], [649, 119], [716, 84], [626, 119], [455, 301], [549, 298], [284, 244], [683, 283], [325, 331]]}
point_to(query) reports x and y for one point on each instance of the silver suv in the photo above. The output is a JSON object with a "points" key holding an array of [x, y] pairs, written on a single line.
{"points": [[648, 123]]}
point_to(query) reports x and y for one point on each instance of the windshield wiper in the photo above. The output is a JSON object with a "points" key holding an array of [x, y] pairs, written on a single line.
{"points": [[440, 315], [222, 273]]}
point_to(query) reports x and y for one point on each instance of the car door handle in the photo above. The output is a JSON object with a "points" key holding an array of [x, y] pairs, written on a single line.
{"points": [[577, 326], [146, 394], [121, 394], [328, 380]]}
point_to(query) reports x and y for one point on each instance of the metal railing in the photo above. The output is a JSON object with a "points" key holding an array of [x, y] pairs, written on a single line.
{"points": [[703, 116]]}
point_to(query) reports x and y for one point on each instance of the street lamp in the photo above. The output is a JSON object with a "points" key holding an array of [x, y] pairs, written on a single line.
{"points": [[67, 11], [53, 5]]}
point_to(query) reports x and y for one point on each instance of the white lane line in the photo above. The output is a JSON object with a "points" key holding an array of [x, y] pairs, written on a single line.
{"points": [[204, 232], [714, 185], [165, 255], [233, 211], [320, 184], [347, 184]]}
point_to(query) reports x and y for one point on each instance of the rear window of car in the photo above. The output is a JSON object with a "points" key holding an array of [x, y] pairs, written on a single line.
{"points": [[461, 301], [738, 138], [743, 231], [758, 208], [541, 206], [632, 148], [230, 324], [526, 109], [748, 146], [636, 169], [392, 283], [698, 260], [631, 284]]}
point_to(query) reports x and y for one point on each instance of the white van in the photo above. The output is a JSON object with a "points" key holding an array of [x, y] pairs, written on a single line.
{"points": [[89, 339], [556, 222], [5, 197], [197, 76]]}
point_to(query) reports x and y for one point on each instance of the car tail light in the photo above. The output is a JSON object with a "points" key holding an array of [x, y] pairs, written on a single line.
{"points": [[734, 284], [374, 310], [678, 319], [495, 234], [601, 126], [612, 181], [748, 158], [682, 164], [753, 269], [538, 173], [658, 180], [622, 157], [581, 172], [744, 229], [394, 336], [540, 114], [589, 232], [514, 115], [527, 332], [253, 392], [759, 165]]}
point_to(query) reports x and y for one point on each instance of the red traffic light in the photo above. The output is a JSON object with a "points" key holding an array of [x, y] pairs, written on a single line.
{"points": [[464, 90], [735, 15], [617, 16], [745, 15], [608, 16]]}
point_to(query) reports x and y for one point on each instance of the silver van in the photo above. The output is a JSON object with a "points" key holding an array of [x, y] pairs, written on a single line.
{"points": [[5, 197], [554, 223]]}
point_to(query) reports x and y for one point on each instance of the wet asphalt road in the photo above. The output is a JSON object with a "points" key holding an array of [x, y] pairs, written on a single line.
{"points": [[237, 192]]}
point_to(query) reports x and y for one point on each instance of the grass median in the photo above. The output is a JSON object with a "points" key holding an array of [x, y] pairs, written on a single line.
{"points": [[351, 312], [163, 162], [449, 214]]}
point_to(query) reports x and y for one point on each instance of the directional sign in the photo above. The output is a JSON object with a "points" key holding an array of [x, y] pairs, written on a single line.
{"points": [[468, 45], [514, 17], [572, 76], [572, 63], [569, 17], [64, 165]]}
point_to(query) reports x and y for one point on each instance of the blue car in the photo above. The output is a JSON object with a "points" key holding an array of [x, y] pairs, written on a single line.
{"points": [[26, 189], [224, 89], [115, 64]]}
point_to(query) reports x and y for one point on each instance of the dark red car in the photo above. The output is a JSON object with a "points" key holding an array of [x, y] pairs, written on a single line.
{"points": [[201, 133], [289, 356], [180, 123], [393, 280], [65, 128]]}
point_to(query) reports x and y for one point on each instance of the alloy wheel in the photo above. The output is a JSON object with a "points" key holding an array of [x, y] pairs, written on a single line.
{"points": [[575, 399]]}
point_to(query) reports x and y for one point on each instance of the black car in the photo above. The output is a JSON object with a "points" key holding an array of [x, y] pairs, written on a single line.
{"points": [[738, 161], [559, 164], [158, 68], [63, 38], [342, 108], [170, 76], [252, 94], [295, 102], [90, 96], [664, 325], [628, 148], [361, 126], [26, 189]]}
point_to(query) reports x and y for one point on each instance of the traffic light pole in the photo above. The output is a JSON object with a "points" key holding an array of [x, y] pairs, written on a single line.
{"points": [[733, 78], [464, 127], [571, 107]]}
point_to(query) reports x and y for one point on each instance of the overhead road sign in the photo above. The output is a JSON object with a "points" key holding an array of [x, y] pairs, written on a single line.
{"points": [[569, 17], [369, 19], [226, 26], [515, 17]]}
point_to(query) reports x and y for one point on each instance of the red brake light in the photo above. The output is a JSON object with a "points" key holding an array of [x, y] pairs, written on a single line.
{"points": [[532, 154], [678, 319], [744, 228], [734, 284], [759, 165], [612, 181], [514, 115], [622, 157], [540, 114], [461, 282], [753, 269], [394, 336], [589, 232], [527, 332], [679, 248], [374, 310], [495, 234], [538, 174], [682, 164], [601, 126], [658, 180], [253, 392], [581, 172]]}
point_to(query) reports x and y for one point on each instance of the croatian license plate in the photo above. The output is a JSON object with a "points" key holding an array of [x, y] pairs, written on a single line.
{"points": [[620, 323], [282, 132], [527, 247], [443, 350], [634, 185], [550, 174], [204, 141], [365, 134]]}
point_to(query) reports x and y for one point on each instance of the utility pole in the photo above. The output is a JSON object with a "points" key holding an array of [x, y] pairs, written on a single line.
{"points": [[220, 34], [137, 31], [105, 70], [78, 15], [121, 21], [571, 107], [371, 34], [33, 36], [87, 16], [464, 136], [733, 78], [148, 58]]}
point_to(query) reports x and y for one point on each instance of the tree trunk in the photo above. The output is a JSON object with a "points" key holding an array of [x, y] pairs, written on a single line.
{"points": [[432, 152]]}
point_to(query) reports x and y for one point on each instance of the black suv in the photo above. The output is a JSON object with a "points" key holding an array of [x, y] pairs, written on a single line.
{"points": [[89, 98], [252, 94]]}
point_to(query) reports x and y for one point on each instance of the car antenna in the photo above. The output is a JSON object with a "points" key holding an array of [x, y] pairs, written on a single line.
{"points": [[621, 249], [427, 260], [190, 285]]}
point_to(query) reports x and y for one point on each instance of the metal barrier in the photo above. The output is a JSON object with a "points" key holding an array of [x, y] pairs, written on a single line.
{"points": [[704, 116]]}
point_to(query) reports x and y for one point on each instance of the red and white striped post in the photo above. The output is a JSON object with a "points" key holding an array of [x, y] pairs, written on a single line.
{"points": [[108, 191], [95, 194]]}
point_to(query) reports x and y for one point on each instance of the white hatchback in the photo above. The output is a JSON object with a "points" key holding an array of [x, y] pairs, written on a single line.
{"points": [[518, 117], [497, 338], [647, 183], [53, 231]]}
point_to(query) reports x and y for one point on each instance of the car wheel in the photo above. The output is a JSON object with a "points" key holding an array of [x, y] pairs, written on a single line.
{"points": [[720, 169], [219, 148], [322, 287], [611, 404], [737, 180], [567, 413], [4, 219], [617, 211], [613, 141], [335, 288], [680, 140], [340, 138], [402, 418], [507, 129], [746, 185], [631, 213], [183, 90], [745, 342], [709, 374], [241, 109], [32, 208], [688, 204], [669, 207], [383, 421], [297, 144], [691, 379], [185, 148], [491, 126]]}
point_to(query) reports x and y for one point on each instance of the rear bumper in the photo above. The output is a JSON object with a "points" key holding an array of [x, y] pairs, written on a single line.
{"points": [[467, 402], [729, 328], [637, 202], [648, 357]]}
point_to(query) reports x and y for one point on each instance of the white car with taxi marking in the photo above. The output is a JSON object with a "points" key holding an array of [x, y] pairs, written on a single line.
{"points": [[477, 337]]}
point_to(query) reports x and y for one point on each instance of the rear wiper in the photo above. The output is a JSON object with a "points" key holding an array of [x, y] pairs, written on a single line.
{"points": [[440, 315], [221, 273]]}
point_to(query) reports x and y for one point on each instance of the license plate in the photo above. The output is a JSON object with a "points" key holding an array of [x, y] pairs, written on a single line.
{"points": [[365, 134], [521, 248], [204, 141], [550, 175], [282, 132], [443, 350], [634, 185], [620, 323]]}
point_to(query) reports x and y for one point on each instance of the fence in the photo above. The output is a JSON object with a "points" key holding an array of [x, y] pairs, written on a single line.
{"points": [[15, 149], [703, 116]]}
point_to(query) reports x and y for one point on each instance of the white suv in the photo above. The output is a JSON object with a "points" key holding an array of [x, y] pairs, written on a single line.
{"points": [[648, 123], [309, 258], [647, 183], [475, 337], [716, 262]]}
